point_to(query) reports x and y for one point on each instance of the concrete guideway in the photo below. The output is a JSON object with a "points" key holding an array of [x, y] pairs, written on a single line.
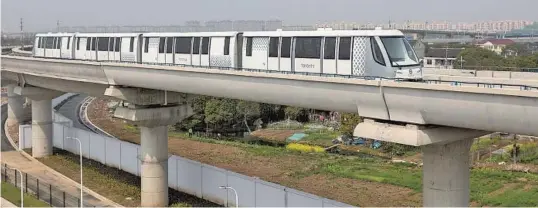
{"points": [[440, 117]]}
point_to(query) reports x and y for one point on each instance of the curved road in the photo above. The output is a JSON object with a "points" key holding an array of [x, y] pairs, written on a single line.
{"points": [[6, 146], [70, 109]]}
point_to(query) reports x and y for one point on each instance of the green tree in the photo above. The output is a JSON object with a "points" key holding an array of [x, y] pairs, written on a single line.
{"points": [[516, 49], [248, 110], [294, 113], [348, 122], [220, 112], [480, 59]]}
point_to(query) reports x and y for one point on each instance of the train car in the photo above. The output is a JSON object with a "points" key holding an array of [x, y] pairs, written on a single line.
{"points": [[373, 53], [122, 47], [221, 49], [54, 45]]}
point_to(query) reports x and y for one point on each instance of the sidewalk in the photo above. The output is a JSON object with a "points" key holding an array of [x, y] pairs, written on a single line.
{"points": [[15, 159], [6, 203]]}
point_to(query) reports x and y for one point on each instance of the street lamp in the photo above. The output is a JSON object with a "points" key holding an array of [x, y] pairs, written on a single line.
{"points": [[235, 192], [22, 192], [80, 154]]}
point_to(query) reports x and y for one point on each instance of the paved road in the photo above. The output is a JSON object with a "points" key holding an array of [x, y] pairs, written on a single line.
{"points": [[70, 109], [6, 146]]}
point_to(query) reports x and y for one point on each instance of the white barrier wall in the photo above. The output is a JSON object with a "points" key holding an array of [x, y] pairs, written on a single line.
{"points": [[183, 174]]}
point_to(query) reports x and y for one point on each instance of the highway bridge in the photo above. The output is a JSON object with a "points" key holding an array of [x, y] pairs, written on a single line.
{"points": [[439, 115]]}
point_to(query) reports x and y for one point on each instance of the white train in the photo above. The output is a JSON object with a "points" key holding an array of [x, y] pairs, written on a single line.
{"points": [[368, 53]]}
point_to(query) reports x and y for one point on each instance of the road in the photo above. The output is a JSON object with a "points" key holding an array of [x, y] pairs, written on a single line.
{"points": [[70, 109], [6, 146]]}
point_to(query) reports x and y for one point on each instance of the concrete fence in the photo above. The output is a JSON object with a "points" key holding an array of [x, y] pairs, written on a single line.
{"points": [[184, 175]]}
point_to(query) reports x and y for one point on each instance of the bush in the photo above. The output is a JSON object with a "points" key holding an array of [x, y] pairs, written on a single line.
{"points": [[304, 148]]}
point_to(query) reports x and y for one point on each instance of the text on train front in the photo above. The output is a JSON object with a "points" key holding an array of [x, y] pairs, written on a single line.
{"points": [[402, 57]]}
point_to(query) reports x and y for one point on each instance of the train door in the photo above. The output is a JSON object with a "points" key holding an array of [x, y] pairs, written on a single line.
{"points": [[91, 48], [103, 48], [65, 49], [54, 52], [169, 52], [80, 48], [39, 49], [204, 51], [127, 49], [273, 58], [343, 61], [196, 51], [161, 55], [308, 54], [256, 53], [151, 50], [285, 54], [183, 50], [111, 49], [219, 52], [329, 55]]}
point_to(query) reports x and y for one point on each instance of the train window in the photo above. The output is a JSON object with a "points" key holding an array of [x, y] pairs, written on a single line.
{"points": [[249, 46], [39, 42], [54, 43], [78, 43], [94, 43], [330, 48], [111, 44], [344, 49], [227, 46], [131, 44], [196, 45], [205, 45], [58, 42], [117, 44], [285, 49], [68, 42], [183, 45], [102, 44], [308, 47], [273, 47], [378, 56], [50, 42], [169, 44], [146, 44], [161, 44], [88, 43]]}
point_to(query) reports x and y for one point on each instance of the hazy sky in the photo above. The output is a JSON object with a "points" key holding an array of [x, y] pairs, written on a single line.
{"points": [[43, 14]]}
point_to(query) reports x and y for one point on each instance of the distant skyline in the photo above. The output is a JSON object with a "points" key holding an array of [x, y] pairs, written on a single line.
{"points": [[43, 14]]}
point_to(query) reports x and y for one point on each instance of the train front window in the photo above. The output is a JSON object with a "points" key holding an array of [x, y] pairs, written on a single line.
{"points": [[400, 51]]}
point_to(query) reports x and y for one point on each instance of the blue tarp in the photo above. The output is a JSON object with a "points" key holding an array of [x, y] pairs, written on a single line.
{"points": [[296, 136]]}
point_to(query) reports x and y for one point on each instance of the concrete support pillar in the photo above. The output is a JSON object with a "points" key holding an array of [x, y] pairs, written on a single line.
{"points": [[14, 106], [446, 174], [154, 157], [153, 124], [41, 118], [42, 128]]}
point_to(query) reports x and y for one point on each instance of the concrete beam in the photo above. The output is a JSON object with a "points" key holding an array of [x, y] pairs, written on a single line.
{"points": [[141, 96], [37, 93], [152, 117], [414, 135]]}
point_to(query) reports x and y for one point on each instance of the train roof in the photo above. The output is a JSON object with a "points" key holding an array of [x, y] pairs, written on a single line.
{"points": [[191, 34], [54, 34], [107, 34], [324, 33]]}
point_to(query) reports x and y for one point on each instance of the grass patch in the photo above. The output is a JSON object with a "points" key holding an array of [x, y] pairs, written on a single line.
{"points": [[484, 182], [117, 185], [319, 137], [13, 195]]}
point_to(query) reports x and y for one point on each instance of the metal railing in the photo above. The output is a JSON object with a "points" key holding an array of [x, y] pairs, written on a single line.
{"points": [[45, 192]]}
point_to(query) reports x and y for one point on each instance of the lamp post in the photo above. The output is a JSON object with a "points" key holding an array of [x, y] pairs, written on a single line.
{"points": [[80, 154], [235, 192], [22, 192]]}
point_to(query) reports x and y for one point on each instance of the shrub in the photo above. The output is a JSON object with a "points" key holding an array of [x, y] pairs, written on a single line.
{"points": [[304, 148]]}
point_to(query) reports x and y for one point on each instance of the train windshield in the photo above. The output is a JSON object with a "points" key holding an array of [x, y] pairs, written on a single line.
{"points": [[400, 51]]}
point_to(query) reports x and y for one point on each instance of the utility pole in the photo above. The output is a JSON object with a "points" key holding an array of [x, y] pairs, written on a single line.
{"points": [[22, 35], [58, 25]]}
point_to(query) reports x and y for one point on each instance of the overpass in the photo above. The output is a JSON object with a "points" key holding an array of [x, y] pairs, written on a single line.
{"points": [[440, 117]]}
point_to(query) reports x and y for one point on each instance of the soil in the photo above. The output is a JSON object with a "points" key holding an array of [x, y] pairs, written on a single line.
{"points": [[276, 169]]}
